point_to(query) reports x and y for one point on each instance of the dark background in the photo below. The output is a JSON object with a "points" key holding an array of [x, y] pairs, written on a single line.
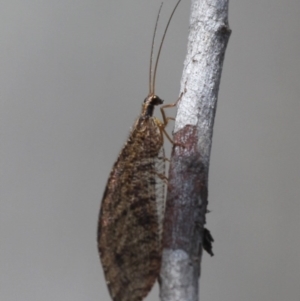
{"points": [[72, 79]]}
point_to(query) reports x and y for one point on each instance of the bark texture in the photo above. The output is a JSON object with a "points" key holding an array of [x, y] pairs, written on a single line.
{"points": [[186, 204]]}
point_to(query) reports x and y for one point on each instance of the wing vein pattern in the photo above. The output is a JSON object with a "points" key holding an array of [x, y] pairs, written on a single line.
{"points": [[131, 215]]}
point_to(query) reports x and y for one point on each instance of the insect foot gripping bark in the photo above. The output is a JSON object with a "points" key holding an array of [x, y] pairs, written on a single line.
{"points": [[132, 208]]}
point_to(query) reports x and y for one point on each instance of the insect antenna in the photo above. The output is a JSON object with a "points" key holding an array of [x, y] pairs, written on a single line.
{"points": [[160, 47], [152, 47]]}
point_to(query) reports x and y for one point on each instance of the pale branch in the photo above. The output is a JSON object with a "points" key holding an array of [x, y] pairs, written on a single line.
{"points": [[186, 205]]}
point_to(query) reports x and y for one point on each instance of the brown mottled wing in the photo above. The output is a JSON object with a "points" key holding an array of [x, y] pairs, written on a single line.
{"points": [[130, 221]]}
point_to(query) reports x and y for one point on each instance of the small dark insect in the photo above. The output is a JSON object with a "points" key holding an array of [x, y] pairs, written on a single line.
{"points": [[132, 209]]}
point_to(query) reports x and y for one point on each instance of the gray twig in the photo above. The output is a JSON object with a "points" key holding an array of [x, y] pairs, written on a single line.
{"points": [[186, 203]]}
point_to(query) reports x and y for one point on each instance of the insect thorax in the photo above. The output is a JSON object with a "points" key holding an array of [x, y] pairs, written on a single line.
{"points": [[149, 103]]}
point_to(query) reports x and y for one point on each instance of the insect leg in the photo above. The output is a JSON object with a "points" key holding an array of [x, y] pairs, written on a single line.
{"points": [[163, 130], [167, 135], [163, 177], [171, 105]]}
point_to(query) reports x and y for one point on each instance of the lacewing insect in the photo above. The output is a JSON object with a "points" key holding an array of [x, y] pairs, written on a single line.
{"points": [[132, 208]]}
